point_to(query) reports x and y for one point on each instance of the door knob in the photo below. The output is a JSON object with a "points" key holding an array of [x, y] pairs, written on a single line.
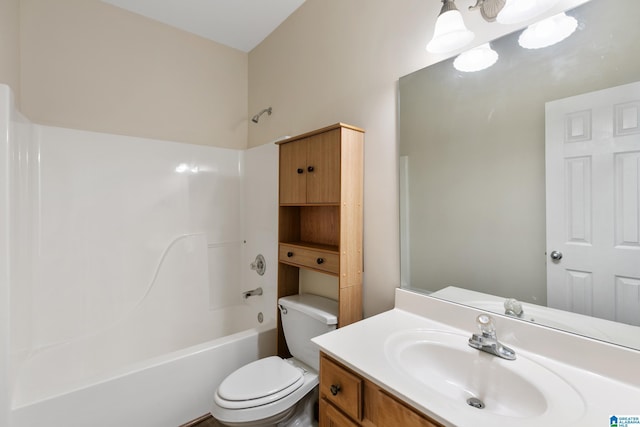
{"points": [[556, 256]]}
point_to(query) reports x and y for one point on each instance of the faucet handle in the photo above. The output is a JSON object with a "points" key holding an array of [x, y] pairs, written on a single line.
{"points": [[513, 307], [486, 326]]}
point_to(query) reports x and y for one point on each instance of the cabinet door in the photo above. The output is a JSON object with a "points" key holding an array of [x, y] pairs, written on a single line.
{"points": [[330, 416], [293, 172], [323, 168], [392, 413]]}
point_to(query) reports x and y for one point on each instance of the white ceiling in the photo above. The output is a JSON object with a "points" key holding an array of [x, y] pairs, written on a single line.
{"points": [[241, 24]]}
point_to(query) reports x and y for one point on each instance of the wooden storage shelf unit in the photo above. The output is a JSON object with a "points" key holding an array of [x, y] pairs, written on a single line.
{"points": [[348, 400], [320, 215]]}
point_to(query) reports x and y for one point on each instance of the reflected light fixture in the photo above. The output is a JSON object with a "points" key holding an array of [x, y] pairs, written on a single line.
{"points": [[548, 32], [185, 168], [476, 59], [450, 32], [489, 9], [516, 11]]}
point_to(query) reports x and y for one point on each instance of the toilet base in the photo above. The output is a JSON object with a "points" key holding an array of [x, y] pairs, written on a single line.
{"points": [[302, 414]]}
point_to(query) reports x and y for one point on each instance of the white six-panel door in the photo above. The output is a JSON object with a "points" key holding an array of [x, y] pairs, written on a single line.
{"points": [[593, 203]]}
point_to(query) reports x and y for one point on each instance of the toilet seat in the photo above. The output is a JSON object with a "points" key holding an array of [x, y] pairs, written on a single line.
{"points": [[259, 383]]}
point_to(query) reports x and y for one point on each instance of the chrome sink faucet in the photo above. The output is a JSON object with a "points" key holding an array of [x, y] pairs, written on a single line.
{"points": [[487, 340]]}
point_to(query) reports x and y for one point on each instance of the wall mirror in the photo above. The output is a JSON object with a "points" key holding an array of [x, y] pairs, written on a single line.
{"points": [[474, 189]]}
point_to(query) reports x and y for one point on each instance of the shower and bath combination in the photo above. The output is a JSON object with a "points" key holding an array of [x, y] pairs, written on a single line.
{"points": [[256, 118]]}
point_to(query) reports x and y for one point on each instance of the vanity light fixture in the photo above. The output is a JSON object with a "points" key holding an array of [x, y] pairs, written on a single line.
{"points": [[476, 59], [516, 11], [450, 32], [548, 32]]}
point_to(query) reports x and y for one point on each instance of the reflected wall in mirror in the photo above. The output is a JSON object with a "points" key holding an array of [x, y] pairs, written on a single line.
{"points": [[472, 162]]}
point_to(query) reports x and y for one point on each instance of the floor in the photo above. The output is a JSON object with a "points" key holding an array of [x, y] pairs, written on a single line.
{"points": [[204, 421]]}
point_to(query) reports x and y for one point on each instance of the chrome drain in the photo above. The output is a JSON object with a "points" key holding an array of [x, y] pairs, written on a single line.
{"points": [[475, 402]]}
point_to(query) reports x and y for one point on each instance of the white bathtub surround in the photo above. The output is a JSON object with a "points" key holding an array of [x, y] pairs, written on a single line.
{"points": [[604, 376], [124, 251], [165, 391], [5, 103]]}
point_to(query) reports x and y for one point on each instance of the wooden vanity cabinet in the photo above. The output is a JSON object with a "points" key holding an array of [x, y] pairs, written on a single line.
{"points": [[320, 215], [348, 400]]}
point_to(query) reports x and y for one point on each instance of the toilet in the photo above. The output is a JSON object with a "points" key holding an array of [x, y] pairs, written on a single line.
{"points": [[280, 392]]}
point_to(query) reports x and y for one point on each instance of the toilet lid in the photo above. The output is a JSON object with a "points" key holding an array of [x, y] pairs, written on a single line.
{"points": [[258, 383]]}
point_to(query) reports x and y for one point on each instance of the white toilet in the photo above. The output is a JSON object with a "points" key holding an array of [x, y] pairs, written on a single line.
{"points": [[275, 391]]}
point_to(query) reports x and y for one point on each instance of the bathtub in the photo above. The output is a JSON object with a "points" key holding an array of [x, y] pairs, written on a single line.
{"points": [[166, 390]]}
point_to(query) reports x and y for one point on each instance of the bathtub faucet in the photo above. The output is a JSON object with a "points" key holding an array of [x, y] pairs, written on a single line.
{"points": [[247, 294]]}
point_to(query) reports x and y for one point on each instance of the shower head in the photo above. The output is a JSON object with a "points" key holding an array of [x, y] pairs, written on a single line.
{"points": [[255, 118]]}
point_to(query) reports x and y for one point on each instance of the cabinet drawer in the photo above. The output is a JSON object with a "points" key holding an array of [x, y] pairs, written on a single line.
{"points": [[341, 388], [317, 260]]}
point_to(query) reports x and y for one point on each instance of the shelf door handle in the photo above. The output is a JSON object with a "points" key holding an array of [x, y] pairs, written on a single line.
{"points": [[289, 254], [300, 170], [335, 389], [310, 169], [320, 261]]}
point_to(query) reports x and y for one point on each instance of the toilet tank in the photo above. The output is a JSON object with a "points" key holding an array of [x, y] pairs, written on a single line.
{"points": [[305, 316]]}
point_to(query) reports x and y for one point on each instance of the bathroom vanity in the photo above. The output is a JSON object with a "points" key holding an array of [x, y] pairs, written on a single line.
{"points": [[350, 400], [412, 366]]}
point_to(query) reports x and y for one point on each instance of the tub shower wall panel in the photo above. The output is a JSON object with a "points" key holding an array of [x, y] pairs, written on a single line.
{"points": [[23, 206], [5, 105], [110, 206], [136, 254], [127, 309], [260, 223], [225, 286], [168, 318], [19, 177]]}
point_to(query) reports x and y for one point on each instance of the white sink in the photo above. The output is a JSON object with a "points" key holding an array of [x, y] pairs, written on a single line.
{"points": [[510, 390]]}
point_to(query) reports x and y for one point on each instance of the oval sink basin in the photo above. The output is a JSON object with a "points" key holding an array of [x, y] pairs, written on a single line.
{"points": [[495, 388]]}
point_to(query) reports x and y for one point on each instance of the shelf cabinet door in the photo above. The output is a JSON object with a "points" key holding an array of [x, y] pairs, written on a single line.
{"points": [[293, 172], [323, 168], [310, 170]]}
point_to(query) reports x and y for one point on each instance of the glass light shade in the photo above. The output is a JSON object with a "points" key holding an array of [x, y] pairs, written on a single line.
{"points": [[548, 31], [516, 11], [476, 59], [450, 33]]}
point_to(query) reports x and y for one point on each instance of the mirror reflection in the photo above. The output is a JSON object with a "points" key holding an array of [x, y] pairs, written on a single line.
{"points": [[537, 155]]}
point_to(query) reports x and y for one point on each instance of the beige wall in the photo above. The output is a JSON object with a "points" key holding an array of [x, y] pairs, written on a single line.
{"points": [[336, 60], [89, 65], [9, 45]]}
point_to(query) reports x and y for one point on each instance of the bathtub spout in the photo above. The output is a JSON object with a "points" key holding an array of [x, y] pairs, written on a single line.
{"points": [[247, 294]]}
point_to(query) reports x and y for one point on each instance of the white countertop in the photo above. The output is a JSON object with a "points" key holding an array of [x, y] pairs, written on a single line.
{"points": [[606, 377]]}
